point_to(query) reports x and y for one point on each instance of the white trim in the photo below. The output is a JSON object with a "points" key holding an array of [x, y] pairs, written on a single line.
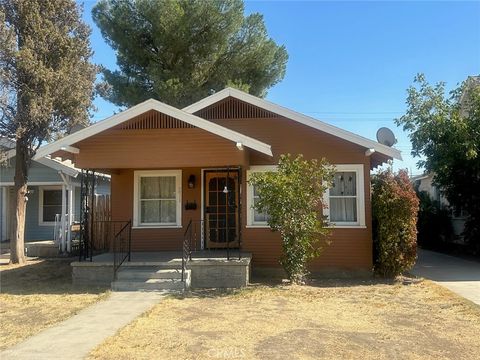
{"points": [[59, 166], [251, 223], [293, 115], [70, 149], [40, 203], [360, 185], [156, 227], [143, 107], [136, 199]]}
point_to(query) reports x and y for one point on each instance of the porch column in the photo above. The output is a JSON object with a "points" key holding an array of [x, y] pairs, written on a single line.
{"points": [[71, 199], [62, 217]]}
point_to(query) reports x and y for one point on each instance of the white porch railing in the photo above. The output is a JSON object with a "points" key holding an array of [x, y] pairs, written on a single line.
{"points": [[62, 232]]}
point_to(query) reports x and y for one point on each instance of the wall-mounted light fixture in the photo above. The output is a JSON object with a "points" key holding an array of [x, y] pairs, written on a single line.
{"points": [[239, 146], [191, 181]]}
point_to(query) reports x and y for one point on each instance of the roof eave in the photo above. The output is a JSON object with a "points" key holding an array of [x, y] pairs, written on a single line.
{"points": [[296, 116]]}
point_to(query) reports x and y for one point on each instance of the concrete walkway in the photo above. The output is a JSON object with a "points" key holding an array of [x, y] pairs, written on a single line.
{"points": [[76, 337], [456, 274]]}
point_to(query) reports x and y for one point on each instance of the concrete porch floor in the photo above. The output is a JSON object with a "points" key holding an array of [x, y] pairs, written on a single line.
{"points": [[167, 257]]}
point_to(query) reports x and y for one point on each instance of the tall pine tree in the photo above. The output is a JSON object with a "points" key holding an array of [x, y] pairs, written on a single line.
{"points": [[179, 51]]}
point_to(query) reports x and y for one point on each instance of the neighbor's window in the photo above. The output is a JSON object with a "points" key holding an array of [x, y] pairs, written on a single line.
{"points": [[158, 198], [345, 197], [50, 204]]}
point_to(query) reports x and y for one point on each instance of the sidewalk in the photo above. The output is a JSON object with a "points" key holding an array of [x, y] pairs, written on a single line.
{"points": [[456, 274], [76, 337]]}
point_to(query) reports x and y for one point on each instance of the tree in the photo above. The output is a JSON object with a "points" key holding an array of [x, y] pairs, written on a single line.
{"points": [[292, 197], [46, 84], [394, 210], [179, 51], [446, 132]]}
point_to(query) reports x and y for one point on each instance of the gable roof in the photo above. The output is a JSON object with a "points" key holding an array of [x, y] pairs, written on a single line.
{"points": [[156, 105], [295, 116]]}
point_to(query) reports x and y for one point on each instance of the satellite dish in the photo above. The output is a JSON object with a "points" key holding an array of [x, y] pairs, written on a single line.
{"points": [[386, 137]]}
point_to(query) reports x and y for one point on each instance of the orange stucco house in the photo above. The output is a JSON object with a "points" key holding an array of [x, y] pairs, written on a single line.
{"points": [[179, 178]]}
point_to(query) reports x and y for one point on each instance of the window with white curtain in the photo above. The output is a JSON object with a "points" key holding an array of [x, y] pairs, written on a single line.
{"points": [[345, 198], [158, 200]]}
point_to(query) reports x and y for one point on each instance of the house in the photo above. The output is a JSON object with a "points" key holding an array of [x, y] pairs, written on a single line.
{"points": [[177, 169], [458, 216], [51, 185]]}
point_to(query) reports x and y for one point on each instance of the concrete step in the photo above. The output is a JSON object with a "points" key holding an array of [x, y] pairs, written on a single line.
{"points": [[153, 279], [148, 285], [145, 274]]}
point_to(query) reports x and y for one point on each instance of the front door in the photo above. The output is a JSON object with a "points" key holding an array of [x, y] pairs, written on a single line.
{"points": [[221, 209]]}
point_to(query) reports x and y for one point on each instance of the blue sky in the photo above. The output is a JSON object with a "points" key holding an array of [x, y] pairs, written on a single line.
{"points": [[351, 62]]}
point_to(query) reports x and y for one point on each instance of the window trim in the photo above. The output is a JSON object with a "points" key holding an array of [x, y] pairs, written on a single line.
{"points": [[136, 198], [251, 223], [41, 190], [360, 184]]}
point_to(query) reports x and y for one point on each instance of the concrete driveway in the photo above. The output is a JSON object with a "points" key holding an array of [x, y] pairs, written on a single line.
{"points": [[456, 274]]}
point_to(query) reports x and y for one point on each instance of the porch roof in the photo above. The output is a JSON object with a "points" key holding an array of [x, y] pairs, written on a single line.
{"points": [[66, 144]]}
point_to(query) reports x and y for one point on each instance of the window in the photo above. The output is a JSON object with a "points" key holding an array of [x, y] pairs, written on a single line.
{"points": [[157, 200], [345, 198], [254, 217], [50, 204]]}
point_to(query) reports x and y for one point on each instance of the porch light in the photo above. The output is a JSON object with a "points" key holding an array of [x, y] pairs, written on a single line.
{"points": [[239, 146], [225, 190], [191, 181]]}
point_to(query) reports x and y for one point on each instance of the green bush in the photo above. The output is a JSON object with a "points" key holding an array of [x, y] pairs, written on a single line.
{"points": [[434, 226], [394, 206], [292, 197]]}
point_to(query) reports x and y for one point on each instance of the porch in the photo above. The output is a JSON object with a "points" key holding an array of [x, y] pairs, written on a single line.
{"points": [[206, 269]]}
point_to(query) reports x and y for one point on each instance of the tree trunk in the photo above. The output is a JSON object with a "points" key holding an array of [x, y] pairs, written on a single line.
{"points": [[17, 240]]}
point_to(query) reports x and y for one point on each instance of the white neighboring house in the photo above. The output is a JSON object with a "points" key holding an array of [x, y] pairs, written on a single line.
{"points": [[53, 190], [425, 183]]}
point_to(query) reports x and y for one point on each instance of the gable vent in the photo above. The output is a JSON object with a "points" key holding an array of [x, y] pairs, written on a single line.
{"points": [[154, 120], [232, 108]]}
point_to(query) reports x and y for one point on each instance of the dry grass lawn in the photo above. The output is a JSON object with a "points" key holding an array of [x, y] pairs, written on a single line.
{"points": [[328, 319], [37, 295]]}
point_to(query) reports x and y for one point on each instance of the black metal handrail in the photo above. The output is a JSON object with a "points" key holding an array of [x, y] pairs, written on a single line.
{"points": [[122, 247], [186, 248]]}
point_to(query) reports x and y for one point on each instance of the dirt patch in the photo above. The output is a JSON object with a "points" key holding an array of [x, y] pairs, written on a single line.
{"points": [[37, 295], [324, 320]]}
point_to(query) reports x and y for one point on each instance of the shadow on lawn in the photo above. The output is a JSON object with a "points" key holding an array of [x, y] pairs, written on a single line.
{"points": [[50, 276]]}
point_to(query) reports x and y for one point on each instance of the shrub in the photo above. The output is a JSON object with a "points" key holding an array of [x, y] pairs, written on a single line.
{"points": [[292, 197], [434, 226], [394, 207]]}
